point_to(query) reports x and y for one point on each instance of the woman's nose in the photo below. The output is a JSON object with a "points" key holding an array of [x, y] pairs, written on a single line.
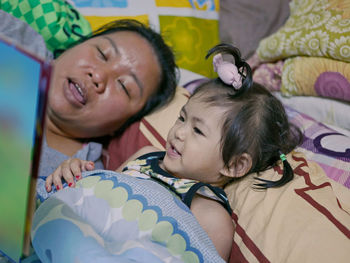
{"points": [[99, 79]]}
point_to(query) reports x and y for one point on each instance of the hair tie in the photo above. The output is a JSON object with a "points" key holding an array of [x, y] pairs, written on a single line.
{"points": [[227, 72], [283, 157]]}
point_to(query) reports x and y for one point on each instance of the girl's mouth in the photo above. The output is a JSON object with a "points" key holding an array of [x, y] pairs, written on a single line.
{"points": [[172, 152]]}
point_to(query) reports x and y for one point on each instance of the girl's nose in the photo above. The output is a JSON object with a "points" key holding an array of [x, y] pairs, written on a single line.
{"points": [[180, 132]]}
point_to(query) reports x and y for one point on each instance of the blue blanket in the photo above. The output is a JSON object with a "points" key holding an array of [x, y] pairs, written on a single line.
{"points": [[112, 217]]}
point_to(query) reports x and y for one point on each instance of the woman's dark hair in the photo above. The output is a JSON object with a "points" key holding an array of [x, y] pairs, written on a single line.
{"points": [[255, 121], [165, 92]]}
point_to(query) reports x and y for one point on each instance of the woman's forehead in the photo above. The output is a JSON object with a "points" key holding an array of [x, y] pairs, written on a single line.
{"points": [[125, 36]]}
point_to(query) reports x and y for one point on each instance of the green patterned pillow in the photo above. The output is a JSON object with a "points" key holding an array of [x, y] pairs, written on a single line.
{"points": [[56, 20], [318, 28]]}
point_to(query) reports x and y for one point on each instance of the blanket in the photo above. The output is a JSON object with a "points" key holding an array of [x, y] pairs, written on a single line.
{"points": [[118, 218]]}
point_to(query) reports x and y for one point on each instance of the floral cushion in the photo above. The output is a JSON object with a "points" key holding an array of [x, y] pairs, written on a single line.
{"points": [[318, 28]]}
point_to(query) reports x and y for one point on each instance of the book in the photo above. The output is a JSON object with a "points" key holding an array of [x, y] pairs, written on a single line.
{"points": [[24, 83]]}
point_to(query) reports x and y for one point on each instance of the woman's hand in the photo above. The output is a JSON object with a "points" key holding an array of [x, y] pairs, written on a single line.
{"points": [[68, 170]]}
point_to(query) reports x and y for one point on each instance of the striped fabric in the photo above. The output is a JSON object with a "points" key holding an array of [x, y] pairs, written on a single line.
{"points": [[308, 220]]}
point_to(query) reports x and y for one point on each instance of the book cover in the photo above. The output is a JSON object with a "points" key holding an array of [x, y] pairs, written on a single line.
{"points": [[24, 82]]}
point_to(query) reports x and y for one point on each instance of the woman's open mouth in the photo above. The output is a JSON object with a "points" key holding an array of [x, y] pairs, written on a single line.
{"points": [[77, 91]]}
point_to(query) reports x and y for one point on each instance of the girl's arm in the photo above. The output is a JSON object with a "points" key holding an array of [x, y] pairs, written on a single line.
{"points": [[142, 151], [215, 220]]}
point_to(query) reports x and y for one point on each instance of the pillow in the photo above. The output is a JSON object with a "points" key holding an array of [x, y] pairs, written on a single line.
{"points": [[318, 28], [269, 75], [189, 27], [328, 111], [57, 21], [307, 220], [327, 147], [323, 91], [325, 77], [151, 130]]}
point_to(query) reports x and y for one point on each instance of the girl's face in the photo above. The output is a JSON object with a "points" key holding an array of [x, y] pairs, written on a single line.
{"points": [[193, 143], [102, 82]]}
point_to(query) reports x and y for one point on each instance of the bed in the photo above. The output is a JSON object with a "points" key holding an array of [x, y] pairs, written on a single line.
{"points": [[306, 221]]}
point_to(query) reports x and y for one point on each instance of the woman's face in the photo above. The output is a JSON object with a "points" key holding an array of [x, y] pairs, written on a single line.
{"points": [[100, 83]]}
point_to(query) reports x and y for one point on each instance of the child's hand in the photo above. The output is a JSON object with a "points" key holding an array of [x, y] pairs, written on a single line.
{"points": [[68, 170]]}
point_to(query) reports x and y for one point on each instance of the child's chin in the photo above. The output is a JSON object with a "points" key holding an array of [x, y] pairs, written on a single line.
{"points": [[168, 165]]}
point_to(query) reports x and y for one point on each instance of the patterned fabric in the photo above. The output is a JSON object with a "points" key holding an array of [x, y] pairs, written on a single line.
{"points": [[147, 166], [111, 217], [190, 27], [326, 78], [307, 220], [318, 28], [333, 113], [21, 33], [269, 75], [56, 20], [325, 146]]}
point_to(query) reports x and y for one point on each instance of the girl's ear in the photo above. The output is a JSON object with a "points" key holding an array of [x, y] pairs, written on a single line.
{"points": [[239, 167]]}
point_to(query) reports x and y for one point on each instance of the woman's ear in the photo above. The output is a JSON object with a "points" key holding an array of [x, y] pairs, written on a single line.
{"points": [[239, 167]]}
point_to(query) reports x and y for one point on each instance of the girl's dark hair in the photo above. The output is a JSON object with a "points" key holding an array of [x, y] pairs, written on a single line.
{"points": [[165, 92], [255, 121]]}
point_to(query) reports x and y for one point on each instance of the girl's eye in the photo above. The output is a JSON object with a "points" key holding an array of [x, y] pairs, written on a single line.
{"points": [[102, 55], [180, 118], [198, 131], [124, 88]]}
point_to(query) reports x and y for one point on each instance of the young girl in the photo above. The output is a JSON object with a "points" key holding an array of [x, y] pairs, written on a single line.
{"points": [[230, 127]]}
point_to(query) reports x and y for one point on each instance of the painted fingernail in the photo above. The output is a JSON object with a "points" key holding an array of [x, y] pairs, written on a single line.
{"points": [[70, 184], [78, 176], [57, 187]]}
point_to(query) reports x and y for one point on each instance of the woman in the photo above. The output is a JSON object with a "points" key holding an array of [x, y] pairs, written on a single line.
{"points": [[100, 86]]}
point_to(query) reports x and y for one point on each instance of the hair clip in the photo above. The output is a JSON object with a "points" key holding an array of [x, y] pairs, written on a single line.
{"points": [[227, 72], [283, 157]]}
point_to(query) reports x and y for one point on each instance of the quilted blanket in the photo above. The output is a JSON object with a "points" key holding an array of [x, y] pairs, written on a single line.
{"points": [[113, 217]]}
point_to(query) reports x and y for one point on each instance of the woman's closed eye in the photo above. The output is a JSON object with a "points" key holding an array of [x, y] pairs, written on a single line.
{"points": [[124, 88], [101, 54]]}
